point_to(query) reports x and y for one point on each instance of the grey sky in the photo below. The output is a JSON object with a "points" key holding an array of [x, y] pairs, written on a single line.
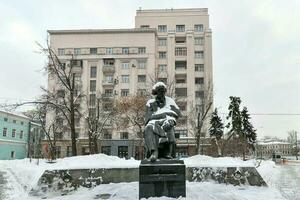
{"points": [[256, 49]]}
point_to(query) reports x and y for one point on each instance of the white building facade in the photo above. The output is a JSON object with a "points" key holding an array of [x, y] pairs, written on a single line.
{"points": [[169, 45]]}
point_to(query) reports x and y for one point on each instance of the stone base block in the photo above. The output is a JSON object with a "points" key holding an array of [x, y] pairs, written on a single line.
{"points": [[162, 178]]}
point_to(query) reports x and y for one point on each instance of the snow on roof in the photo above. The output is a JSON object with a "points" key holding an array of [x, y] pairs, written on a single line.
{"points": [[16, 114], [159, 84], [271, 143]]}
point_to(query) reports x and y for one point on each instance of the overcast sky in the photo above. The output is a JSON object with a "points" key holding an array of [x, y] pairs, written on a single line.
{"points": [[256, 49]]}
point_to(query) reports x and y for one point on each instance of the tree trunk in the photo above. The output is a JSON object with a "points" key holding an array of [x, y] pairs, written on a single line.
{"points": [[95, 142], [90, 143], [72, 119]]}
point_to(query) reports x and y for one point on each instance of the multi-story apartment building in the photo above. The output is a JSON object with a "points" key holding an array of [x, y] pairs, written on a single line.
{"points": [[13, 136], [169, 45]]}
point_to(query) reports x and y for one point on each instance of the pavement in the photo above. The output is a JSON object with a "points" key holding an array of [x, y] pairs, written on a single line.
{"points": [[2, 185], [289, 181]]}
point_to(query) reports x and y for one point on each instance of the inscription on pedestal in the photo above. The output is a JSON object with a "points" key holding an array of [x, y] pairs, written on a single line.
{"points": [[162, 178]]}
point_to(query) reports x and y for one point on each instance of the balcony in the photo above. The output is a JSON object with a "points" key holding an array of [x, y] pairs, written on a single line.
{"points": [[107, 83], [108, 69]]}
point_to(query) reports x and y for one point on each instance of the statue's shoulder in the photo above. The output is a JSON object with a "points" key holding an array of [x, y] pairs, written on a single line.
{"points": [[149, 102], [170, 101]]}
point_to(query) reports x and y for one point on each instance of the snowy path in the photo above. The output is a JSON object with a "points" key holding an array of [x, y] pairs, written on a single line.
{"points": [[3, 185], [289, 181]]}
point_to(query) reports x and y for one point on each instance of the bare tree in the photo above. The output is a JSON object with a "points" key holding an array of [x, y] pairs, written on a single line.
{"points": [[200, 114], [62, 99], [98, 118], [38, 115]]}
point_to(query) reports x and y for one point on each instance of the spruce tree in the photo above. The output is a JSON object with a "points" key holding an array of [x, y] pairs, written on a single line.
{"points": [[234, 115], [248, 130], [216, 125], [216, 129]]}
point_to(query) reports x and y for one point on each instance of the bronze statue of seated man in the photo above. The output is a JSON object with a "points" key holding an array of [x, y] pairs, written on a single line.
{"points": [[161, 115]]}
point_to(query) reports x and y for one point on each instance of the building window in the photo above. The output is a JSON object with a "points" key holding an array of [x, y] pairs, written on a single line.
{"points": [[14, 121], [162, 28], [92, 99], [106, 150], [125, 78], [180, 51], [199, 67], [142, 50], [109, 51], [124, 135], [92, 85], [108, 93], [109, 79], [144, 26], [199, 80], [5, 119], [181, 133], [181, 92], [198, 27], [180, 40], [162, 55], [162, 42], [4, 133], [61, 52], [199, 41], [123, 151], [199, 94], [180, 79], [180, 65], [180, 28], [21, 134], [125, 65], [13, 133], [125, 92], [162, 68], [107, 136], [142, 92], [93, 50], [141, 64], [22, 123], [141, 78], [93, 72], [125, 50], [77, 51], [199, 54]]}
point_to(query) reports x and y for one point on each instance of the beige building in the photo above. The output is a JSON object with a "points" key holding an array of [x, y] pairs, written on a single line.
{"points": [[170, 45]]}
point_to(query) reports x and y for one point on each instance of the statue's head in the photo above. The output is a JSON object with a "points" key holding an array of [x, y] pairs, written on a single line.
{"points": [[159, 89]]}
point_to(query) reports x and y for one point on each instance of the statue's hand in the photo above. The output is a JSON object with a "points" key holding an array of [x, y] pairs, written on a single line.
{"points": [[168, 126]]}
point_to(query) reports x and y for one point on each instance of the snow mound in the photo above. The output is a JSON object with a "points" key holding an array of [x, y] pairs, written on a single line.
{"points": [[94, 161], [269, 171], [207, 161]]}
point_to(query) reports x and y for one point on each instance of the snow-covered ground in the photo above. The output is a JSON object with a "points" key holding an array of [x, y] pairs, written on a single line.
{"points": [[22, 175]]}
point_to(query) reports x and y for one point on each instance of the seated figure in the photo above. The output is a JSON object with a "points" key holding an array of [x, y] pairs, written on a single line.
{"points": [[161, 115]]}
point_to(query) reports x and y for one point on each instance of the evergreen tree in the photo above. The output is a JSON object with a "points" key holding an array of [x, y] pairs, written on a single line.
{"points": [[216, 125], [248, 130], [216, 129], [235, 124]]}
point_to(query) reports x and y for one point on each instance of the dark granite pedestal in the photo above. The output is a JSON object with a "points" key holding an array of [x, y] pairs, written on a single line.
{"points": [[162, 178]]}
